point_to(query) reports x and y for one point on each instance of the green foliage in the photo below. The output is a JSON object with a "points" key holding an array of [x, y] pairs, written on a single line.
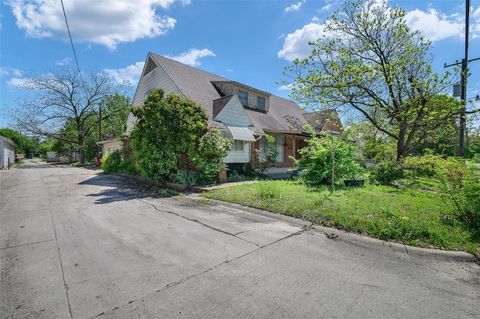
{"points": [[212, 149], [172, 142], [25, 144], [45, 146], [165, 136], [128, 166], [319, 156], [112, 163], [427, 165], [376, 66], [373, 145], [461, 183], [115, 109], [385, 172], [411, 216]]}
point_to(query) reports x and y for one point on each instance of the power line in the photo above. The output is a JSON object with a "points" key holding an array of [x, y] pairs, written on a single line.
{"points": [[73, 46]]}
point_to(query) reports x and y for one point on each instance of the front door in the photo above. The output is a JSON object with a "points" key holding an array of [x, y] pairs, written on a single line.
{"points": [[299, 144]]}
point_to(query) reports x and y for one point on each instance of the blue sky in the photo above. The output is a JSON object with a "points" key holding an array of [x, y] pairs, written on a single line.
{"points": [[247, 41]]}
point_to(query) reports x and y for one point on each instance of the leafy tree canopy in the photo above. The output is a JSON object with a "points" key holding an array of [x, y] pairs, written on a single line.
{"points": [[370, 61]]}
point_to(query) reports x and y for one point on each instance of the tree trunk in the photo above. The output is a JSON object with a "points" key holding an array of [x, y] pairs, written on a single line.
{"points": [[81, 142], [401, 147]]}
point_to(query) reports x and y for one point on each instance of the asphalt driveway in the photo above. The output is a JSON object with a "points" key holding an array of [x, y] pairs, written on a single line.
{"points": [[76, 244]]}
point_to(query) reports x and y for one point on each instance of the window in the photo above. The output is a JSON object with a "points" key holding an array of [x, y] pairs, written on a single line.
{"points": [[237, 145], [261, 103], [243, 96], [279, 146]]}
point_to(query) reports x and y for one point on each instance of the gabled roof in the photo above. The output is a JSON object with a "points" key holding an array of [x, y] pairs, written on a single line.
{"points": [[198, 85], [324, 121], [219, 103], [242, 85]]}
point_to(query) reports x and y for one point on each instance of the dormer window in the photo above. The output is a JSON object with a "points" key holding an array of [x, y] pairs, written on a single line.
{"points": [[243, 96], [261, 103]]}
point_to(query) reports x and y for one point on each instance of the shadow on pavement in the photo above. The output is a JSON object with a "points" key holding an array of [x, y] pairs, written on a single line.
{"points": [[123, 189]]}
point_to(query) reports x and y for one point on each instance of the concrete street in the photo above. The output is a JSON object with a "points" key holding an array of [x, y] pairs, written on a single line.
{"points": [[78, 244]]}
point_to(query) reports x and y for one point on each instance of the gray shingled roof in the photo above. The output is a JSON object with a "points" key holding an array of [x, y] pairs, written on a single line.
{"points": [[284, 115]]}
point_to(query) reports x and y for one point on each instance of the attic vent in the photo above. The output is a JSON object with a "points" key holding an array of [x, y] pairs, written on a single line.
{"points": [[150, 66]]}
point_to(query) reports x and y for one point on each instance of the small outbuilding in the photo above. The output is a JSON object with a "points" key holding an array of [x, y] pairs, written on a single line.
{"points": [[109, 146], [7, 152]]}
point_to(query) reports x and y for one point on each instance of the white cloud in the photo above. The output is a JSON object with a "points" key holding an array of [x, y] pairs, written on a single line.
{"points": [[476, 13], [186, 2], [326, 7], [285, 87], [106, 22], [63, 62], [434, 25], [296, 44], [8, 71], [18, 83], [192, 57], [294, 6], [127, 75]]}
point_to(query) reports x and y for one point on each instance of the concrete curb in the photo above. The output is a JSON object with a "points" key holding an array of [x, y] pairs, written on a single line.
{"points": [[353, 238]]}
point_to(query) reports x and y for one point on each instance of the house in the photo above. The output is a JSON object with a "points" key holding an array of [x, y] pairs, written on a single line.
{"points": [[243, 113], [70, 157], [111, 145], [7, 152]]}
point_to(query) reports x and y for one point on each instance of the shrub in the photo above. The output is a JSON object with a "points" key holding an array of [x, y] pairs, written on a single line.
{"points": [[128, 166], [212, 149], [461, 183], [315, 163], [385, 172], [166, 135], [111, 163], [426, 165]]}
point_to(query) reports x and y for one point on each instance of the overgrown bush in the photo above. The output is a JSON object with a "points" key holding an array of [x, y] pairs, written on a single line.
{"points": [[111, 163], [385, 172], [461, 183], [128, 166], [426, 165], [172, 142], [319, 156], [212, 149]]}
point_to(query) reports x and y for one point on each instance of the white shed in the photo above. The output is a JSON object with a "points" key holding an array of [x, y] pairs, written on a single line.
{"points": [[7, 152]]}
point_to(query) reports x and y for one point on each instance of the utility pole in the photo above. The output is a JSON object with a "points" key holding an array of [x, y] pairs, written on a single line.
{"points": [[463, 83], [463, 120]]}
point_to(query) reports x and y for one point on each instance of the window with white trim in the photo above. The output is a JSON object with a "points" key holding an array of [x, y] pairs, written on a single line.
{"points": [[237, 146]]}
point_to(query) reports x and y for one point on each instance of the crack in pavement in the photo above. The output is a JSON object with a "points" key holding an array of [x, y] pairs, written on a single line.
{"points": [[180, 281], [32, 243], [61, 265], [197, 221]]}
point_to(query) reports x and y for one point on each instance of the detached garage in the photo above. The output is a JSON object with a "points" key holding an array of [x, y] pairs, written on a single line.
{"points": [[7, 152]]}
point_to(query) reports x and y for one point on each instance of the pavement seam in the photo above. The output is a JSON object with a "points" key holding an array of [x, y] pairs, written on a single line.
{"points": [[197, 221], [61, 265], [26, 244], [180, 281]]}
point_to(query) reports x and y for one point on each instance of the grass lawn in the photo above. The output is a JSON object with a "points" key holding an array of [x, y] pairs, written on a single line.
{"points": [[414, 215]]}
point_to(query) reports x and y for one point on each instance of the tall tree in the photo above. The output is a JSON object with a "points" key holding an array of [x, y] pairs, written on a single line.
{"points": [[64, 97], [115, 111], [371, 62]]}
